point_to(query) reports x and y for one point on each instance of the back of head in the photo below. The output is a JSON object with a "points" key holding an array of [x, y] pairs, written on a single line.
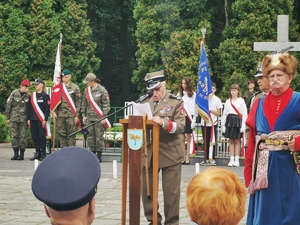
{"points": [[67, 179], [216, 197]]}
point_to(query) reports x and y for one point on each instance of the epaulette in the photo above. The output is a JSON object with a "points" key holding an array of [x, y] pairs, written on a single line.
{"points": [[175, 97]]}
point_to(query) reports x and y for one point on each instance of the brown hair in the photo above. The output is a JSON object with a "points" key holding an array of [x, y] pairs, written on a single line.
{"points": [[216, 196], [237, 87], [189, 87]]}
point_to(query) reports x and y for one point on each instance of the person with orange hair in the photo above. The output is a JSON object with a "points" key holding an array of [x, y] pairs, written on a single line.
{"points": [[216, 196]]}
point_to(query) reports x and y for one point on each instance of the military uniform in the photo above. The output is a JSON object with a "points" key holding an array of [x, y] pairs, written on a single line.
{"points": [[16, 113], [95, 133], [171, 153], [65, 187], [65, 116], [38, 132]]}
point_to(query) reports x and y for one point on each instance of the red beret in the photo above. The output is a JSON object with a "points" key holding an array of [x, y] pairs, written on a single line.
{"points": [[25, 83]]}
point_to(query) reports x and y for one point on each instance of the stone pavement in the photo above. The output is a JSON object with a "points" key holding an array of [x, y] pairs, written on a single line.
{"points": [[19, 206]]}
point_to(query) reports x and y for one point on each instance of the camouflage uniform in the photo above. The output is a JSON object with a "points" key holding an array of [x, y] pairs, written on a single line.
{"points": [[16, 113], [65, 116], [95, 133]]}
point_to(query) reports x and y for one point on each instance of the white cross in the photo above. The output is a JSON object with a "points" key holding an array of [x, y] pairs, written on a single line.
{"points": [[282, 38]]}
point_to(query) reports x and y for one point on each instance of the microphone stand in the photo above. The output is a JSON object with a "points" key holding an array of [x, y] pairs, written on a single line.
{"points": [[84, 129]]}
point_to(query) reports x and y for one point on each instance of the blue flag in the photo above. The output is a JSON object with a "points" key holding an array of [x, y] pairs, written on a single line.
{"points": [[204, 87]]}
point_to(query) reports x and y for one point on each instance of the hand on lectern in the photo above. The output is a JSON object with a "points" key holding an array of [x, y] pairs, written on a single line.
{"points": [[158, 120]]}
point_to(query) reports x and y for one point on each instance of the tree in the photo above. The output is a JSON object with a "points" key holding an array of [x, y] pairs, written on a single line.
{"points": [[253, 21], [29, 36]]}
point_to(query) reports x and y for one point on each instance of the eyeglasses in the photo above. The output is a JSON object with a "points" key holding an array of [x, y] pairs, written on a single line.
{"points": [[279, 76]]}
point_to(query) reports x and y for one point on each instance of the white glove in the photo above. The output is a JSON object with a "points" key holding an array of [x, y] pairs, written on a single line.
{"points": [[193, 124], [223, 129], [243, 128]]}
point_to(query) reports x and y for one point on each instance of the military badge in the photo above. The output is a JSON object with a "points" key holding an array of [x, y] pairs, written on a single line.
{"points": [[166, 109]]}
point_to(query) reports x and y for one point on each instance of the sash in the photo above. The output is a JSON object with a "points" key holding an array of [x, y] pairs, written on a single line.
{"points": [[40, 113], [212, 140], [70, 102], [192, 142], [95, 106], [263, 144], [243, 135]]}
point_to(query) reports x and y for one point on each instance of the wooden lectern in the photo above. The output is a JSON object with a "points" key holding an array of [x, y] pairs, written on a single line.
{"points": [[134, 159]]}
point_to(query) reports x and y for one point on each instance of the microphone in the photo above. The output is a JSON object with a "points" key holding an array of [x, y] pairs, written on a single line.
{"points": [[141, 99], [144, 97]]}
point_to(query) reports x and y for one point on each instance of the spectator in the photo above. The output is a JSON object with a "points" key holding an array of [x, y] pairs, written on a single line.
{"points": [[216, 196], [215, 106], [66, 182], [188, 96], [249, 93], [233, 123]]}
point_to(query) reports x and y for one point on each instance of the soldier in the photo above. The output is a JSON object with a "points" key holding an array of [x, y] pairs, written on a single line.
{"points": [[16, 118], [67, 112], [37, 113], [68, 189], [263, 84], [95, 105], [167, 111]]}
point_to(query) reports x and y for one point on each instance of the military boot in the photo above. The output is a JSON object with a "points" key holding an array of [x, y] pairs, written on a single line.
{"points": [[21, 157], [99, 155], [37, 154], [16, 154], [43, 154]]}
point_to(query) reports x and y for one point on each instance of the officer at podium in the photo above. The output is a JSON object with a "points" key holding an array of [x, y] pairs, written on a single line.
{"points": [[167, 111]]}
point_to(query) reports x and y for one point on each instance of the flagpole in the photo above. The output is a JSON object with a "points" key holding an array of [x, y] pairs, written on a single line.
{"points": [[203, 31], [54, 122]]}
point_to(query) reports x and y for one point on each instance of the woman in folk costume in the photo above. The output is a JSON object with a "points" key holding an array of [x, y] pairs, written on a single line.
{"points": [[188, 97], [37, 113], [270, 168], [95, 106], [233, 123]]}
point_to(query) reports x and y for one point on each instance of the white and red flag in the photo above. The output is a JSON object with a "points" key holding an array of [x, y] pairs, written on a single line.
{"points": [[57, 87]]}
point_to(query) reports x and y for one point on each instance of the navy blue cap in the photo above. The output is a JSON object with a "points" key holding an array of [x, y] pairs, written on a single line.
{"points": [[67, 179]]}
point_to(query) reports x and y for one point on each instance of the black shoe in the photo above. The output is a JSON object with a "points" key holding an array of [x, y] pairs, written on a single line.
{"points": [[21, 157], [36, 156], [16, 154], [183, 162]]}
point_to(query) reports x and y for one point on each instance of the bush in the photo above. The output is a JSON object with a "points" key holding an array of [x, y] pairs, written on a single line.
{"points": [[4, 128]]}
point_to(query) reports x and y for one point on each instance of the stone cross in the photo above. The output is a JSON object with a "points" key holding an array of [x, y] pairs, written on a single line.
{"points": [[282, 38]]}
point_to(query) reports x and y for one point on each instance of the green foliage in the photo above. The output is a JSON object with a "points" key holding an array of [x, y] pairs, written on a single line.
{"points": [[252, 22], [29, 36], [4, 128]]}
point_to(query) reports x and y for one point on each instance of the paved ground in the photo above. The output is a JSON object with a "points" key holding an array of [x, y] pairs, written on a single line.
{"points": [[19, 206]]}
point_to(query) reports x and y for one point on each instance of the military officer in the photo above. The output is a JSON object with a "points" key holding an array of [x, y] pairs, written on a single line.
{"points": [[167, 111], [95, 105], [263, 84], [67, 112], [68, 189], [16, 118]]}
